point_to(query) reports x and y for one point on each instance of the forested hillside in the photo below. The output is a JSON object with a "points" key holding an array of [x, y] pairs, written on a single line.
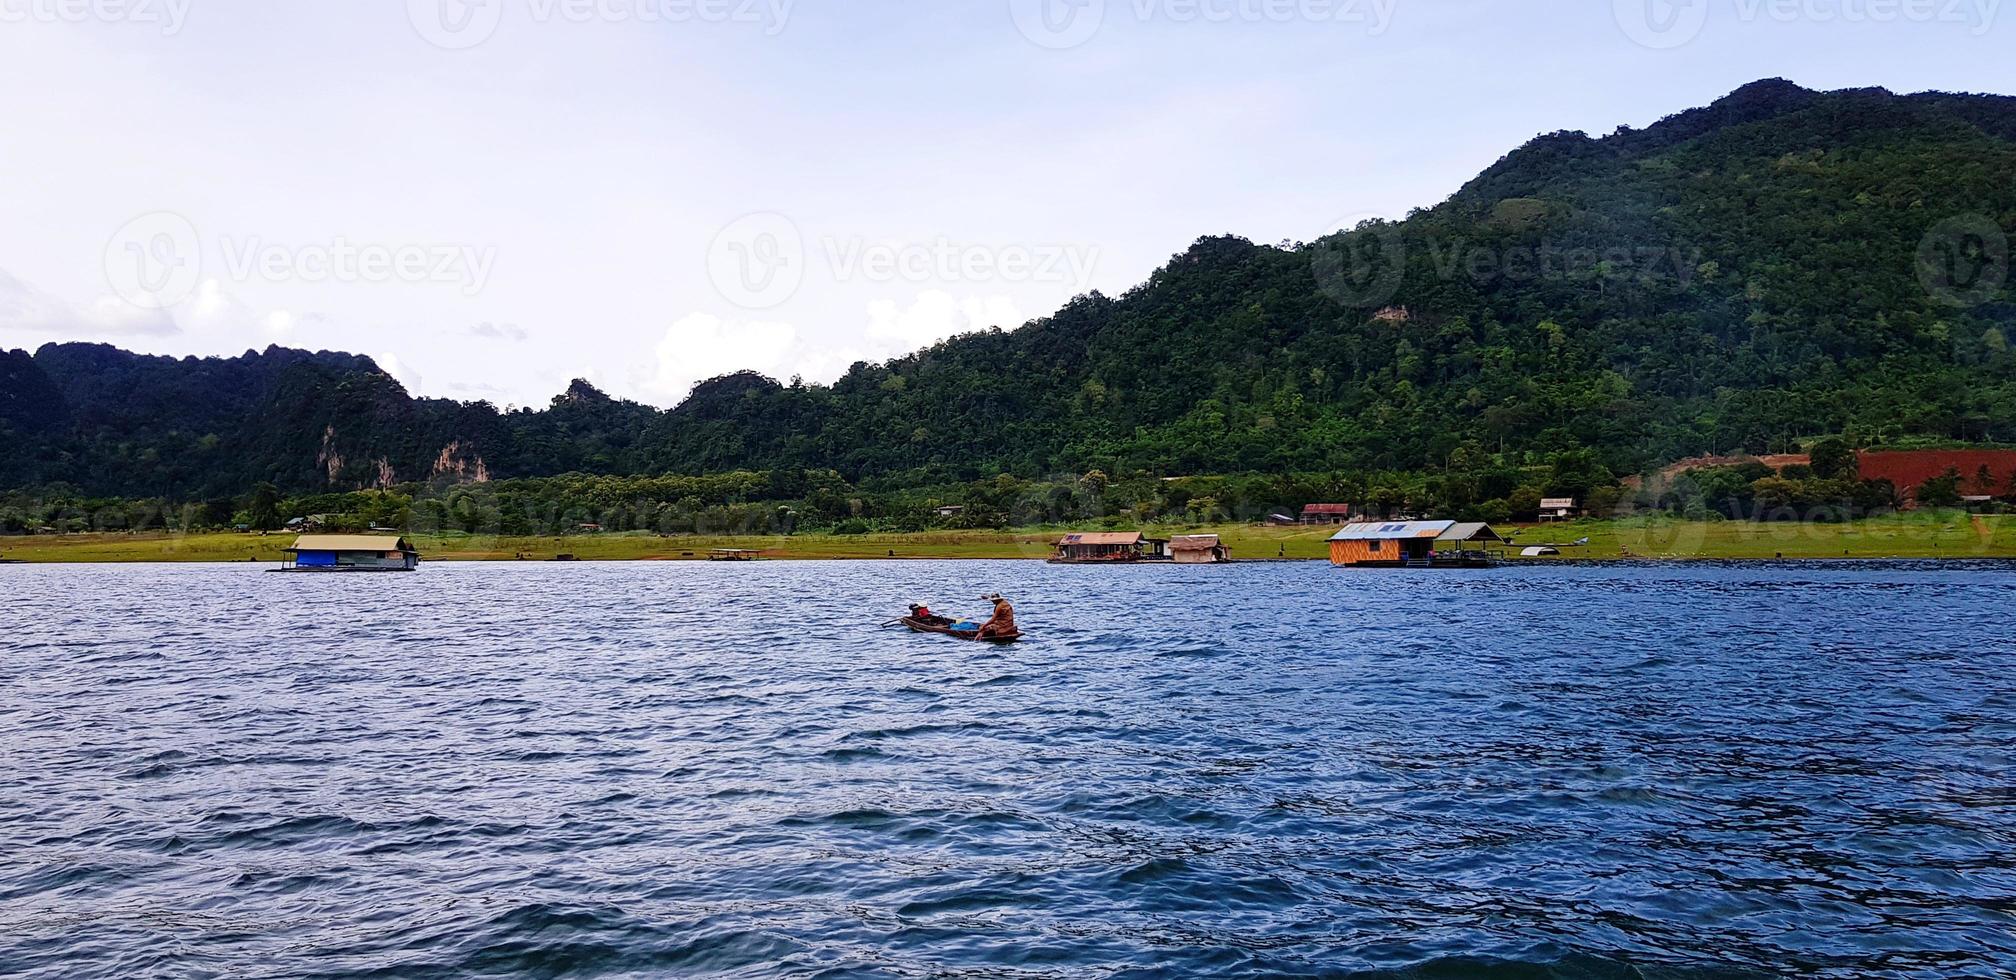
{"points": [[1781, 264]]}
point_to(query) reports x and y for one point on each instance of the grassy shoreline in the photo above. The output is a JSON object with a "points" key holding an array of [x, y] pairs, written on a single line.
{"points": [[1940, 534]]}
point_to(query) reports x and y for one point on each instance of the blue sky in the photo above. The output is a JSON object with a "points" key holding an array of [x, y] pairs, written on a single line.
{"points": [[494, 197]]}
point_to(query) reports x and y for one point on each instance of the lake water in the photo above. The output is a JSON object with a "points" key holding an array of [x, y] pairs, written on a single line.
{"points": [[632, 769]]}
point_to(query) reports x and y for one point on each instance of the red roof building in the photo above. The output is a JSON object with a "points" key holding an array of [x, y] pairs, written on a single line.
{"points": [[1326, 514]]}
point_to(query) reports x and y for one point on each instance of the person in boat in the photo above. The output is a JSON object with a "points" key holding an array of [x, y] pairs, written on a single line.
{"points": [[1003, 623], [924, 615]]}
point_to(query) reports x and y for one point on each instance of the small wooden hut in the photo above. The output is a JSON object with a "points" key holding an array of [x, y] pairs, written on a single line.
{"points": [[350, 553], [1199, 549]]}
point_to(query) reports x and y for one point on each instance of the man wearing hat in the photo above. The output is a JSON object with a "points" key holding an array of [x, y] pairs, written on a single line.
{"points": [[1003, 623]]}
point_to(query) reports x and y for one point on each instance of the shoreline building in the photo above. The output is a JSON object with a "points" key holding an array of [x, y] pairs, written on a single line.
{"points": [[1106, 547], [1414, 544], [1326, 514], [1199, 549], [350, 553]]}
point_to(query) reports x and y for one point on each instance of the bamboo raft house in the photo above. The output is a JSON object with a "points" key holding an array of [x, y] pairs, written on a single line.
{"points": [[1414, 544], [350, 553], [1108, 547], [1199, 549]]}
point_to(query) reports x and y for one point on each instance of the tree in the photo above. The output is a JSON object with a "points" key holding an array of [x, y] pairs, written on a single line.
{"points": [[1833, 459], [263, 510], [1941, 491]]}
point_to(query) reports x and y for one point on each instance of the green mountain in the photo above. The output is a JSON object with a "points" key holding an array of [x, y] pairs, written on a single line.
{"points": [[1783, 263]]}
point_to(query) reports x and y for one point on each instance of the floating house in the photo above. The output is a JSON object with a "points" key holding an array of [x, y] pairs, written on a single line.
{"points": [[1199, 549], [350, 553], [1414, 544], [1108, 546]]}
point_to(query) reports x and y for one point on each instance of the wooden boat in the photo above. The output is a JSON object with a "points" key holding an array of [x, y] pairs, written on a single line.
{"points": [[919, 626]]}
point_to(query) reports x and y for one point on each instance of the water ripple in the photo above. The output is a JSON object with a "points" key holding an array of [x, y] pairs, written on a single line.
{"points": [[644, 770]]}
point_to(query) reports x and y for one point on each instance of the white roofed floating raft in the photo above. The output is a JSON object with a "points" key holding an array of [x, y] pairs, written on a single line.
{"points": [[351, 553], [1414, 544]]}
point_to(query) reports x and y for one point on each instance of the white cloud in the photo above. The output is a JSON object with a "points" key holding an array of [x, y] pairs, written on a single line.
{"points": [[214, 311], [406, 376], [702, 346], [498, 331], [934, 316], [27, 310]]}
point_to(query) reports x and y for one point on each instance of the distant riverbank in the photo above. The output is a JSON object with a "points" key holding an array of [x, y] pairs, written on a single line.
{"points": [[1939, 534]]}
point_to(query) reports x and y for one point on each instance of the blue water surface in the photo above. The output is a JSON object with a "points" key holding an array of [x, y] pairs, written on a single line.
{"points": [[733, 769]]}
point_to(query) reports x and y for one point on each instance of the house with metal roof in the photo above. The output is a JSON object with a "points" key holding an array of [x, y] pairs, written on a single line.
{"points": [[1108, 546], [351, 553], [1414, 544], [1326, 514], [1560, 509]]}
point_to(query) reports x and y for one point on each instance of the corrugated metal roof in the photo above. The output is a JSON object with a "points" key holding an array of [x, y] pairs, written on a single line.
{"points": [[1193, 542], [1103, 537], [1392, 530], [1327, 509], [350, 542], [1469, 532]]}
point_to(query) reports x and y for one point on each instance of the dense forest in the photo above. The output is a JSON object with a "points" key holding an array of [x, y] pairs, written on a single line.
{"points": [[1781, 265]]}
